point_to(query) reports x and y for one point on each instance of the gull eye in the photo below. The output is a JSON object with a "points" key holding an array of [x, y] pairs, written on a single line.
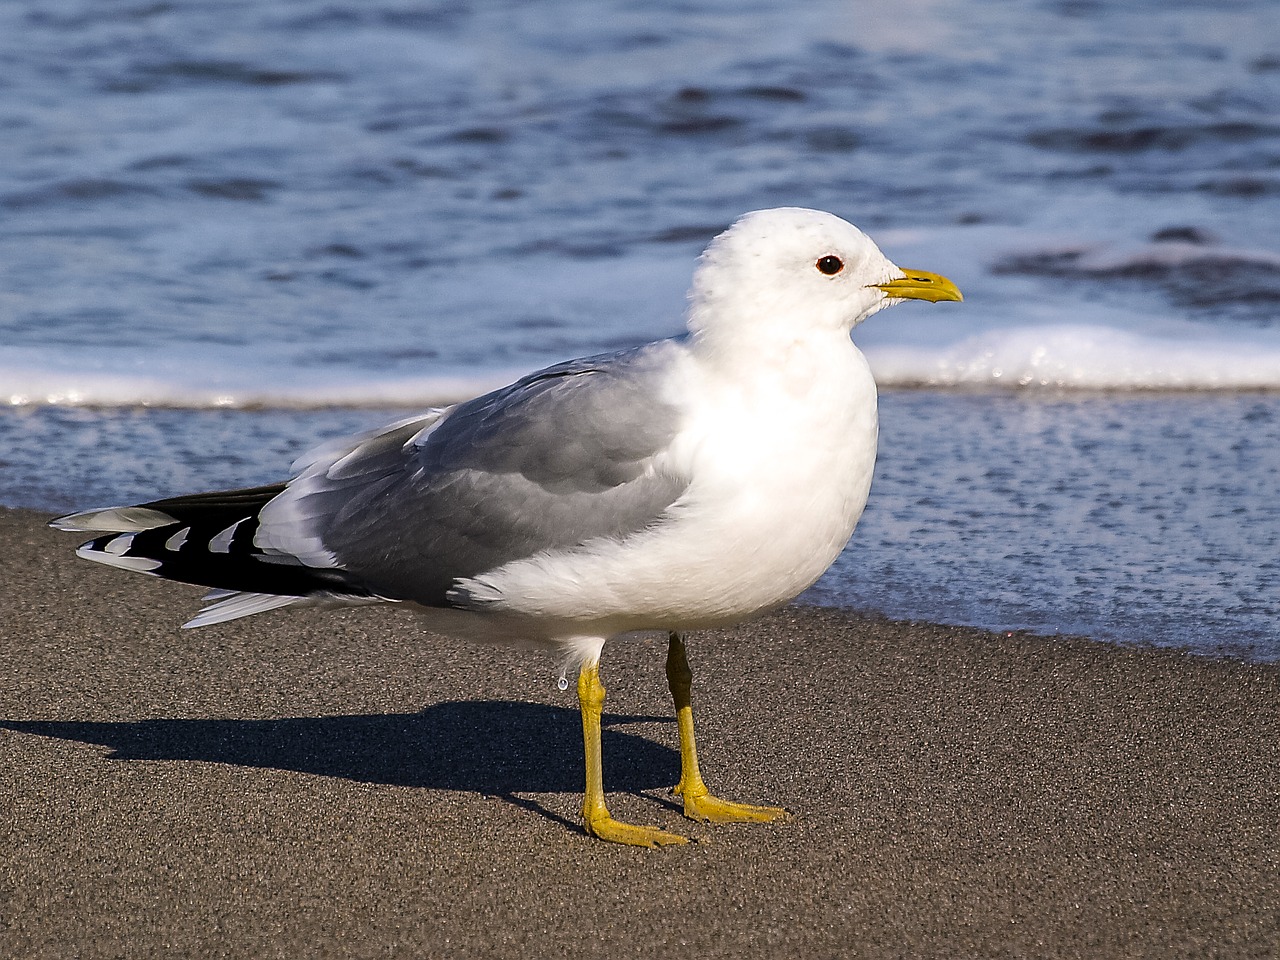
{"points": [[830, 265]]}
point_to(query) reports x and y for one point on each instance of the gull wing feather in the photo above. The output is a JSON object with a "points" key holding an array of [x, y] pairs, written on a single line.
{"points": [[562, 457]]}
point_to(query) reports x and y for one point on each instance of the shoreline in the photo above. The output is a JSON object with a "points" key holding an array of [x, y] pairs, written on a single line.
{"points": [[997, 514], [342, 784]]}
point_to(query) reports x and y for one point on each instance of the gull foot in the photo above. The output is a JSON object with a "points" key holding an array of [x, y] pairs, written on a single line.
{"points": [[711, 809], [615, 831]]}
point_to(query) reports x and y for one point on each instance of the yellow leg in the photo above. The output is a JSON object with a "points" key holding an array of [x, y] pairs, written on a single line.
{"points": [[699, 803], [595, 814]]}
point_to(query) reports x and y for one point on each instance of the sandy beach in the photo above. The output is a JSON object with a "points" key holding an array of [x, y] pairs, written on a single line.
{"points": [[344, 785]]}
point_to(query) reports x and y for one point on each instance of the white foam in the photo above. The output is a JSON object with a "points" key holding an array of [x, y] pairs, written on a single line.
{"points": [[1081, 357], [1061, 356], [43, 388], [1021, 330], [1168, 255]]}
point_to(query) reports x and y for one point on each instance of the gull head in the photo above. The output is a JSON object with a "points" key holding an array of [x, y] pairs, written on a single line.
{"points": [[790, 272]]}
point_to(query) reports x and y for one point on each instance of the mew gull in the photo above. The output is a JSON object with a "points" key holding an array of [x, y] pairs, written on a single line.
{"points": [[685, 484]]}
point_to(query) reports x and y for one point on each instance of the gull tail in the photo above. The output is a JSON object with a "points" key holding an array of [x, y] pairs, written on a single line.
{"points": [[208, 539]]}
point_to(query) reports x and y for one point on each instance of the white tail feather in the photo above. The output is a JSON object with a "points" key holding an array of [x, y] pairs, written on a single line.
{"points": [[136, 564], [230, 605], [227, 605]]}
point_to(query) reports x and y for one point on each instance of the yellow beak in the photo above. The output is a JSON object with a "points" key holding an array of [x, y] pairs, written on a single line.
{"points": [[921, 285]]}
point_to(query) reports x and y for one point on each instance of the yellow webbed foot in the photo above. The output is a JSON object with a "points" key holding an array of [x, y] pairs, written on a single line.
{"points": [[595, 815], [711, 809], [699, 804], [615, 831]]}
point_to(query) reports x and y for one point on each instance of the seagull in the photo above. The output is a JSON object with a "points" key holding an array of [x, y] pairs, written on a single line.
{"points": [[682, 485]]}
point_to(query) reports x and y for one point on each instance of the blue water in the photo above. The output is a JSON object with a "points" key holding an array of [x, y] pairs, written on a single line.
{"points": [[226, 227]]}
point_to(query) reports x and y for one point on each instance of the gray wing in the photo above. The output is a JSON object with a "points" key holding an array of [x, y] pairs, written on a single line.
{"points": [[561, 457]]}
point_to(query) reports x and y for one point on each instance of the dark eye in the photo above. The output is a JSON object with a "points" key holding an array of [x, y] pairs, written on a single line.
{"points": [[830, 265]]}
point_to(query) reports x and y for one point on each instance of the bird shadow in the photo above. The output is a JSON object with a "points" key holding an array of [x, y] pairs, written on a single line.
{"points": [[491, 747]]}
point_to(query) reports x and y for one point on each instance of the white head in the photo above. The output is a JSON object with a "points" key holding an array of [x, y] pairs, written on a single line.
{"points": [[790, 272]]}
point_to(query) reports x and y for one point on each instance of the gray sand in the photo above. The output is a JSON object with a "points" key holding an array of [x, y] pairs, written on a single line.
{"points": [[312, 785]]}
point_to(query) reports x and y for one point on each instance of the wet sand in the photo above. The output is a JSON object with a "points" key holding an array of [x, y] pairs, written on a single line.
{"points": [[344, 785]]}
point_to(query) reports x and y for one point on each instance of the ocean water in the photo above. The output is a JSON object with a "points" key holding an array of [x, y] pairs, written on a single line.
{"points": [[230, 229]]}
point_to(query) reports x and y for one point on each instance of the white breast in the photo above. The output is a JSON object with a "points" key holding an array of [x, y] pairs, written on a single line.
{"points": [[782, 465]]}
